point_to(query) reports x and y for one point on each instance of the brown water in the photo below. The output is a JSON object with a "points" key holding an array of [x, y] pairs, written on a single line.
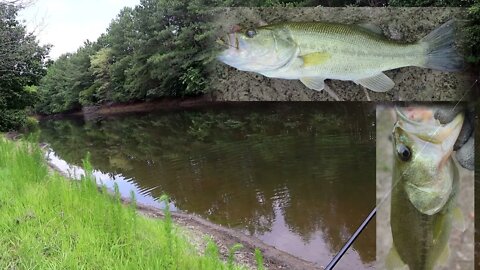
{"points": [[299, 176]]}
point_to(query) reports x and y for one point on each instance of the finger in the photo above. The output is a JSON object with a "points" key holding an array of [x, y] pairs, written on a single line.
{"points": [[465, 155], [446, 114], [465, 133]]}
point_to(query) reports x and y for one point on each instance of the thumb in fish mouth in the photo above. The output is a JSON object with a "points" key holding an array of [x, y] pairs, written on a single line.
{"points": [[466, 156], [465, 142]]}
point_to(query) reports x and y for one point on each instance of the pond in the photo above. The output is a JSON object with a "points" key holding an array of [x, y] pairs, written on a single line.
{"points": [[298, 176]]}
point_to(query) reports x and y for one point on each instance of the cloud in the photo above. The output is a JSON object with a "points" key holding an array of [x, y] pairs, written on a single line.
{"points": [[66, 24]]}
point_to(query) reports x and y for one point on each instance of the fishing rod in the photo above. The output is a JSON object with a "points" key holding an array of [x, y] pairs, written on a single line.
{"points": [[350, 241]]}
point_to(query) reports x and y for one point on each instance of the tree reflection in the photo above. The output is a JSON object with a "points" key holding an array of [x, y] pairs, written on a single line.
{"points": [[237, 165]]}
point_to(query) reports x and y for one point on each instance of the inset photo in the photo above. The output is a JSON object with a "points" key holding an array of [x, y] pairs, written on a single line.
{"points": [[361, 54], [425, 186]]}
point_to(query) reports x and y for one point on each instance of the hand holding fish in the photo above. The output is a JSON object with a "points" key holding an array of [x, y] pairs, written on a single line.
{"points": [[464, 146]]}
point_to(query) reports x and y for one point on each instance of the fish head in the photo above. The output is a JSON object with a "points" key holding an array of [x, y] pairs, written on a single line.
{"points": [[423, 163], [265, 48]]}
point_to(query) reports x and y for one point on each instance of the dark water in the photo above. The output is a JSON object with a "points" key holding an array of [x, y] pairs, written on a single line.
{"points": [[299, 176]]}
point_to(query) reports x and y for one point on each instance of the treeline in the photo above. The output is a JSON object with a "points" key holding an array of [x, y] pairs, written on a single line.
{"points": [[157, 49], [160, 48], [22, 65]]}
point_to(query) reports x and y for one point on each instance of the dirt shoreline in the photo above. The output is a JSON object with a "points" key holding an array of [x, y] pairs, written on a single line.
{"points": [[222, 236], [111, 109]]}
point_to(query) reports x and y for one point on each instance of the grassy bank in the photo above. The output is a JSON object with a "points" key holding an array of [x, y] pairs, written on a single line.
{"points": [[47, 222]]}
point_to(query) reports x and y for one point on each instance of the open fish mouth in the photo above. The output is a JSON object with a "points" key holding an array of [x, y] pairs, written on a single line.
{"points": [[421, 123], [231, 39]]}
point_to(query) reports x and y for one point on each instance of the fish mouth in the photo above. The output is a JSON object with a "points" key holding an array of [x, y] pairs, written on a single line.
{"points": [[430, 130], [229, 41]]}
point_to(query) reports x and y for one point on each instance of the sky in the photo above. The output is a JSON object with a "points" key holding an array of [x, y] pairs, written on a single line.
{"points": [[66, 24]]}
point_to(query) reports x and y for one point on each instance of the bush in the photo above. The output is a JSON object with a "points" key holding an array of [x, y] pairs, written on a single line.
{"points": [[472, 34]]}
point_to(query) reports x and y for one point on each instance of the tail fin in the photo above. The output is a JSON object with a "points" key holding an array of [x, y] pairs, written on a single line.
{"points": [[441, 52]]}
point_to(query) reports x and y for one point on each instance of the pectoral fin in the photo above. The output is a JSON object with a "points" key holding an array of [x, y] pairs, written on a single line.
{"points": [[393, 261], [459, 219], [314, 59], [318, 83], [377, 83], [315, 83], [443, 259]]}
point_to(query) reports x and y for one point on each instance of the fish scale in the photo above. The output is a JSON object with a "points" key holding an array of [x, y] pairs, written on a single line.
{"points": [[425, 245], [354, 49]]}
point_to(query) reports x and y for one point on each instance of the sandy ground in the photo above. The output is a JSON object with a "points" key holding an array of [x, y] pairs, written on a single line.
{"points": [[403, 24], [461, 243], [198, 230]]}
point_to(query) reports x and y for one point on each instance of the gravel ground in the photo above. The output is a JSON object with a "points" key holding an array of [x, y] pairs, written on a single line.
{"points": [[405, 24], [461, 243]]}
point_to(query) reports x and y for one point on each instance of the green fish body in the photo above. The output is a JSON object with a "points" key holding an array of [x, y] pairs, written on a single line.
{"points": [[315, 51], [424, 189]]}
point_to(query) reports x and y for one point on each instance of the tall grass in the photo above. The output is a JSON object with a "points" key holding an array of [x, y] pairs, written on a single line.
{"points": [[47, 222]]}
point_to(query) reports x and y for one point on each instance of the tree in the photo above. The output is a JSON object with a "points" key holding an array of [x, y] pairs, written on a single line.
{"points": [[22, 64], [68, 82], [158, 49]]}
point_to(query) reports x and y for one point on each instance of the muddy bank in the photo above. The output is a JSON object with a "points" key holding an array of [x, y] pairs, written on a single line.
{"points": [[93, 112], [198, 229], [403, 24]]}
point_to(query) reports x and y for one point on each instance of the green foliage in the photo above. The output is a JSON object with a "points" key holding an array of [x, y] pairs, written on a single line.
{"points": [[259, 259], [22, 63], [231, 254], [60, 90], [194, 81], [160, 48], [48, 222], [472, 34], [31, 124]]}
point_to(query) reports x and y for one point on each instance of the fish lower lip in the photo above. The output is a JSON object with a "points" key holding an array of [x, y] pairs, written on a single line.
{"points": [[220, 41], [232, 41]]}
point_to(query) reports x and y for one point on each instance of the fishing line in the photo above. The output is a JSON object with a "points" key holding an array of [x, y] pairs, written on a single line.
{"points": [[370, 216]]}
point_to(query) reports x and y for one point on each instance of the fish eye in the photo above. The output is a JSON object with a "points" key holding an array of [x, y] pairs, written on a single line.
{"points": [[404, 152], [251, 33]]}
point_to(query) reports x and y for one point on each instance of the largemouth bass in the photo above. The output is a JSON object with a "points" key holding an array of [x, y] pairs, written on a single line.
{"points": [[424, 189], [314, 51]]}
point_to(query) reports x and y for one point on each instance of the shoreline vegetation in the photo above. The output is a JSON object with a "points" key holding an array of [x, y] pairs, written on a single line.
{"points": [[49, 221], [134, 107]]}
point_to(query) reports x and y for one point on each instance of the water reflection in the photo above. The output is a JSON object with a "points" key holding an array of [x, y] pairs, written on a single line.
{"points": [[299, 176]]}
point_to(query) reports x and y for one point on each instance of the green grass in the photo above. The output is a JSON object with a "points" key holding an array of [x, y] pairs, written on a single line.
{"points": [[48, 222]]}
